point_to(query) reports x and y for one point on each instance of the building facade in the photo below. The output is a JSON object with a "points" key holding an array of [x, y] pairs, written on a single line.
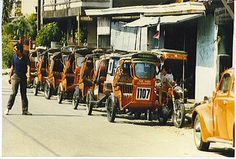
{"points": [[202, 28]]}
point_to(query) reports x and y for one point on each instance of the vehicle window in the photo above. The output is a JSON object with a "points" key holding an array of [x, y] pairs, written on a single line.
{"points": [[115, 66], [145, 70], [110, 65], [224, 85]]}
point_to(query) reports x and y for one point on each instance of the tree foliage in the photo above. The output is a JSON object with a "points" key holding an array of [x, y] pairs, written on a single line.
{"points": [[22, 27], [7, 49], [50, 32]]}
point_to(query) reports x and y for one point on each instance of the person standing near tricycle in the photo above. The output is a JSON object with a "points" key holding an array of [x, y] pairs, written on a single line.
{"points": [[20, 66]]}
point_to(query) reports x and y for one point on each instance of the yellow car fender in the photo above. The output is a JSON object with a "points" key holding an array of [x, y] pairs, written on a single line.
{"points": [[204, 112]]}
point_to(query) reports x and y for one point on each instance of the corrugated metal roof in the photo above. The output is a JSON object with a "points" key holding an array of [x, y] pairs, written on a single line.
{"points": [[151, 21], [168, 9]]}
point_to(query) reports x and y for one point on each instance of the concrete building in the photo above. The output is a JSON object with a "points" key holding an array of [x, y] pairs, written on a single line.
{"points": [[76, 26], [28, 6], [23, 7], [203, 29]]}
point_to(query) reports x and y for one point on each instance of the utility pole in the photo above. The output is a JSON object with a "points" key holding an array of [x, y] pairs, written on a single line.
{"points": [[39, 15]]}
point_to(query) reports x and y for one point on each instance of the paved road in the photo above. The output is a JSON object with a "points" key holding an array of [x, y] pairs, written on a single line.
{"points": [[58, 130]]}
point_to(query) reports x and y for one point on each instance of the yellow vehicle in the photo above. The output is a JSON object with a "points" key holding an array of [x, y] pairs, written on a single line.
{"points": [[213, 121], [102, 81], [133, 85]]}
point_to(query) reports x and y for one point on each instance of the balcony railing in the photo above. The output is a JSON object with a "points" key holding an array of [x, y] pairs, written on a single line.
{"points": [[65, 4]]}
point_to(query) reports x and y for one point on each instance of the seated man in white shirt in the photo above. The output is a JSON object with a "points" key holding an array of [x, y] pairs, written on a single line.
{"points": [[167, 81], [166, 75]]}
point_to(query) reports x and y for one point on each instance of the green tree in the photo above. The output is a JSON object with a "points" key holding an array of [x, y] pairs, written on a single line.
{"points": [[7, 7], [7, 50], [50, 32], [19, 28]]}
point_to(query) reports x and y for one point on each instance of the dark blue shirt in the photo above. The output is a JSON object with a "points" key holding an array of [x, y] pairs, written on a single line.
{"points": [[20, 65]]}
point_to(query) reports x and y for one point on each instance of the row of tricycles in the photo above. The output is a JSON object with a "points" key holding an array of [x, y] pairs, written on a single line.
{"points": [[121, 82]]}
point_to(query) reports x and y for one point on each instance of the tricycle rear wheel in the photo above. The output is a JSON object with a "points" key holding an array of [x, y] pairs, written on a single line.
{"points": [[89, 103], [111, 109], [47, 91], [59, 94]]}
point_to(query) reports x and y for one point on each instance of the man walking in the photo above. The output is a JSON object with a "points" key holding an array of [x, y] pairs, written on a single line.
{"points": [[20, 66]]}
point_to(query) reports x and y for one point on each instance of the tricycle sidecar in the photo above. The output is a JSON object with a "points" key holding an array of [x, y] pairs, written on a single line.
{"points": [[71, 73]]}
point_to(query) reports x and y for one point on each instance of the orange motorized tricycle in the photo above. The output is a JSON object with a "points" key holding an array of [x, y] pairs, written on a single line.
{"points": [[54, 75], [102, 82], [71, 73], [86, 77], [42, 69], [34, 59], [133, 85], [171, 96]]}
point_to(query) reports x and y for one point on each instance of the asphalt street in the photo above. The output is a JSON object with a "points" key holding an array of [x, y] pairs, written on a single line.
{"points": [[58, 130]]}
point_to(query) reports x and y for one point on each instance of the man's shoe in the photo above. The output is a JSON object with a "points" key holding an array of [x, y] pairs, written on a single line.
{"points": [[6, 112], [26, 113]]}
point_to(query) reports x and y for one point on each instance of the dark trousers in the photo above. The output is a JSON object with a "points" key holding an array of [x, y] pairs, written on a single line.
{"points": [[17, 81]]}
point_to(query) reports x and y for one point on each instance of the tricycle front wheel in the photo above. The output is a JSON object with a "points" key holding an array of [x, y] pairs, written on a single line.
{"points": [[179, 114]]}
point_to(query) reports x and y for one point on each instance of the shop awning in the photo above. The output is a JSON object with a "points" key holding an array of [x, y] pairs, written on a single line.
{"points": [[151, 10], [152, 21]]}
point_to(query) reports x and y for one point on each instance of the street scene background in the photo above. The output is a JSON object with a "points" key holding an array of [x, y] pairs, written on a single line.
{"points": [[56, 130]]}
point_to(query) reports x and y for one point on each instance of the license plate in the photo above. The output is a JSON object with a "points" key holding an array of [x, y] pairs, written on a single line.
{"points": [[143, 93]]}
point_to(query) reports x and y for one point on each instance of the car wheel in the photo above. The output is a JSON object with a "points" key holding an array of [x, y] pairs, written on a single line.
{"points": [[47, 91], [111, 109], [197, 132], [179, 114], [89, 103]]}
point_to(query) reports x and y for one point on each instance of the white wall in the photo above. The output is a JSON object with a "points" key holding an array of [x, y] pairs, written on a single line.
{"points": [[123, 38], [206, 58], [128, 38], [28, 6], [234, 41]]}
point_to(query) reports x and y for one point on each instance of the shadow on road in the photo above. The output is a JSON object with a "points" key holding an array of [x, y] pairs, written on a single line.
{"points": [[130, 119], [226, 152]]}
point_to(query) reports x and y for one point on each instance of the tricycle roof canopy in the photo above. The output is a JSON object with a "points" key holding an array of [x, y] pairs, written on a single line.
{"points": [[141, 56], [68, 49], [171, 54]]}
